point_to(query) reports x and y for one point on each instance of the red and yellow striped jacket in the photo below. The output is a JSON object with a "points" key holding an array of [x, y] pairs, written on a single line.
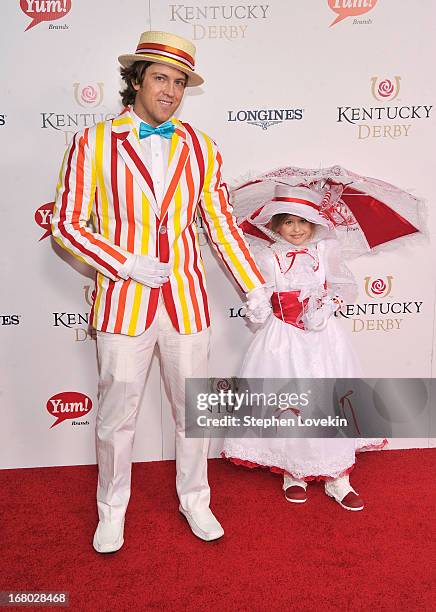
{"points": [[103, 178]]}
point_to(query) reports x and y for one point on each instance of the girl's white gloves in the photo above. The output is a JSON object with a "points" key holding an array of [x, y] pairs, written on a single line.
{"points": [[258, 304], [317, 320], [145, 269]]}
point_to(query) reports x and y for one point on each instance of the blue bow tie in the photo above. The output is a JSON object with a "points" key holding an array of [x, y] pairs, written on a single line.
{"points": [[166, 130]]}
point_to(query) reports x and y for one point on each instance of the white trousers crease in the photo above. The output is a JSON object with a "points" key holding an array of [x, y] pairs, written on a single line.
{"points": [[123, 363]]}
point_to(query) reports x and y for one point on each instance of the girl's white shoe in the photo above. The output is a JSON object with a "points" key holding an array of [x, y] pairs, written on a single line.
{"points": [[295, 490], [341, 490]]}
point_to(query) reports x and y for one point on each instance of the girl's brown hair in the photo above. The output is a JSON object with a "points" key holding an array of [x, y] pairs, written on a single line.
{"points": [[277, 220]]}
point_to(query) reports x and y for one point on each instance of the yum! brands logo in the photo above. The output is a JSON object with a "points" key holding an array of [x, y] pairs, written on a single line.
{"points": [[351, 8], [88, 96], [383, 312], [384, 119], [43, 218], [45, 10], [69, 405]]}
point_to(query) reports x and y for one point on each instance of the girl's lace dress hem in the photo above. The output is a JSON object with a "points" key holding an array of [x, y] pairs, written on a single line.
{"points": [[367, 445]]}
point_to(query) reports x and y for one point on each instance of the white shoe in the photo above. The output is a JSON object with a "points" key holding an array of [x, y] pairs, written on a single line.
{"points": [[203, 524], [295, 489], [341, 490], [108, 537]]}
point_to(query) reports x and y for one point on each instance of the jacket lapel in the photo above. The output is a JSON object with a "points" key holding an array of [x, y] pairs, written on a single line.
{"points": [[179, 153], [123, 128]]}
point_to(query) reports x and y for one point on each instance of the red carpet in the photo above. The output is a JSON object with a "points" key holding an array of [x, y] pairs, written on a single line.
{"points": [[274, 555]]}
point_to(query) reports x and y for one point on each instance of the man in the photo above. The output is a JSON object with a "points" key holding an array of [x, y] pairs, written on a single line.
{"points": [[141, 178]]}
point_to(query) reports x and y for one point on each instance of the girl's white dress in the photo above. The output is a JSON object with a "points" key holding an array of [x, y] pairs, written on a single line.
{"points": [[282, 350]]}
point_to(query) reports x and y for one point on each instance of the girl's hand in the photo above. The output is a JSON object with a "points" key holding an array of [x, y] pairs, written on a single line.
{"points": [[317, 320], [258, 305]]}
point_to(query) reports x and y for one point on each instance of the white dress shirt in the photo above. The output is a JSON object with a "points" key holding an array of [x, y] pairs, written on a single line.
{"points": [[156, 150]]}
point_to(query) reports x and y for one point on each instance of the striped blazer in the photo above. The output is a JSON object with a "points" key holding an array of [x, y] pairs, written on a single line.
{"points": [[105, 184]]}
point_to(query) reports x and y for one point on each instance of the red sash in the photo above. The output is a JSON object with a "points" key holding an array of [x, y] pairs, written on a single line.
{"points": [[287, 308]]}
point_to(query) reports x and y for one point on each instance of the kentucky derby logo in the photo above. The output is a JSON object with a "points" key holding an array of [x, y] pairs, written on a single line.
{"points": [[89, 294], [69, 405], [350, 8], [382, 119], [380, 315], [88, 96], [43, 218], [78, 322], [44, 10], [223, 385], [385, 90], [379, 287], [226, 22]]}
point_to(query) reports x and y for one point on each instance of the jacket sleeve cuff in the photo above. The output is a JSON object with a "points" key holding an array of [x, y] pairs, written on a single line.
{"points": [[126, 268]]}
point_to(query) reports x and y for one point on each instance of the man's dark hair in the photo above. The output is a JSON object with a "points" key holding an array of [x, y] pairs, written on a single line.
{"points": [[132, 74]]}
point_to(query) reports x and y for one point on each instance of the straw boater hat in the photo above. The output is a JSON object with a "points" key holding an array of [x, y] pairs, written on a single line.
{"points": [[168, 49], [300, 201]]}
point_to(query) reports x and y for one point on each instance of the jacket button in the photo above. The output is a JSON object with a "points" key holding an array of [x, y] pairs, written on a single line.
{"points": [[162, 229]]}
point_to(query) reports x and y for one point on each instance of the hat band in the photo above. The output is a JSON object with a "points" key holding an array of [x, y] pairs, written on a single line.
{"points": [[168, 52], [296, 201]]}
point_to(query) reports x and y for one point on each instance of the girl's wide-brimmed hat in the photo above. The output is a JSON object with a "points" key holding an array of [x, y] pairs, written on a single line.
{"points": [[167, 49], [300, 201]]}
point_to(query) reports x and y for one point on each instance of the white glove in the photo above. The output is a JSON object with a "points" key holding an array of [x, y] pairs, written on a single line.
{"points": [[317, 320], [145, 269], [258, 305]]}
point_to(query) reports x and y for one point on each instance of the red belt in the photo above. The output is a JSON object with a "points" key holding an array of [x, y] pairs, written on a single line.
{"points": [[287, 308]]}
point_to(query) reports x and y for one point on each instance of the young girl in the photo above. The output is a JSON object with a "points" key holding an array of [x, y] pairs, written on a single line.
{"points": [[301, 339]]}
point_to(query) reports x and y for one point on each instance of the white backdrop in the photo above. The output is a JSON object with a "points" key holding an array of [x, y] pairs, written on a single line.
{"points": [[61, 75]]}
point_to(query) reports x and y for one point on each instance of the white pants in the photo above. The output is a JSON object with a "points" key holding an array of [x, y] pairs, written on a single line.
{"points": [[124, 362]]}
